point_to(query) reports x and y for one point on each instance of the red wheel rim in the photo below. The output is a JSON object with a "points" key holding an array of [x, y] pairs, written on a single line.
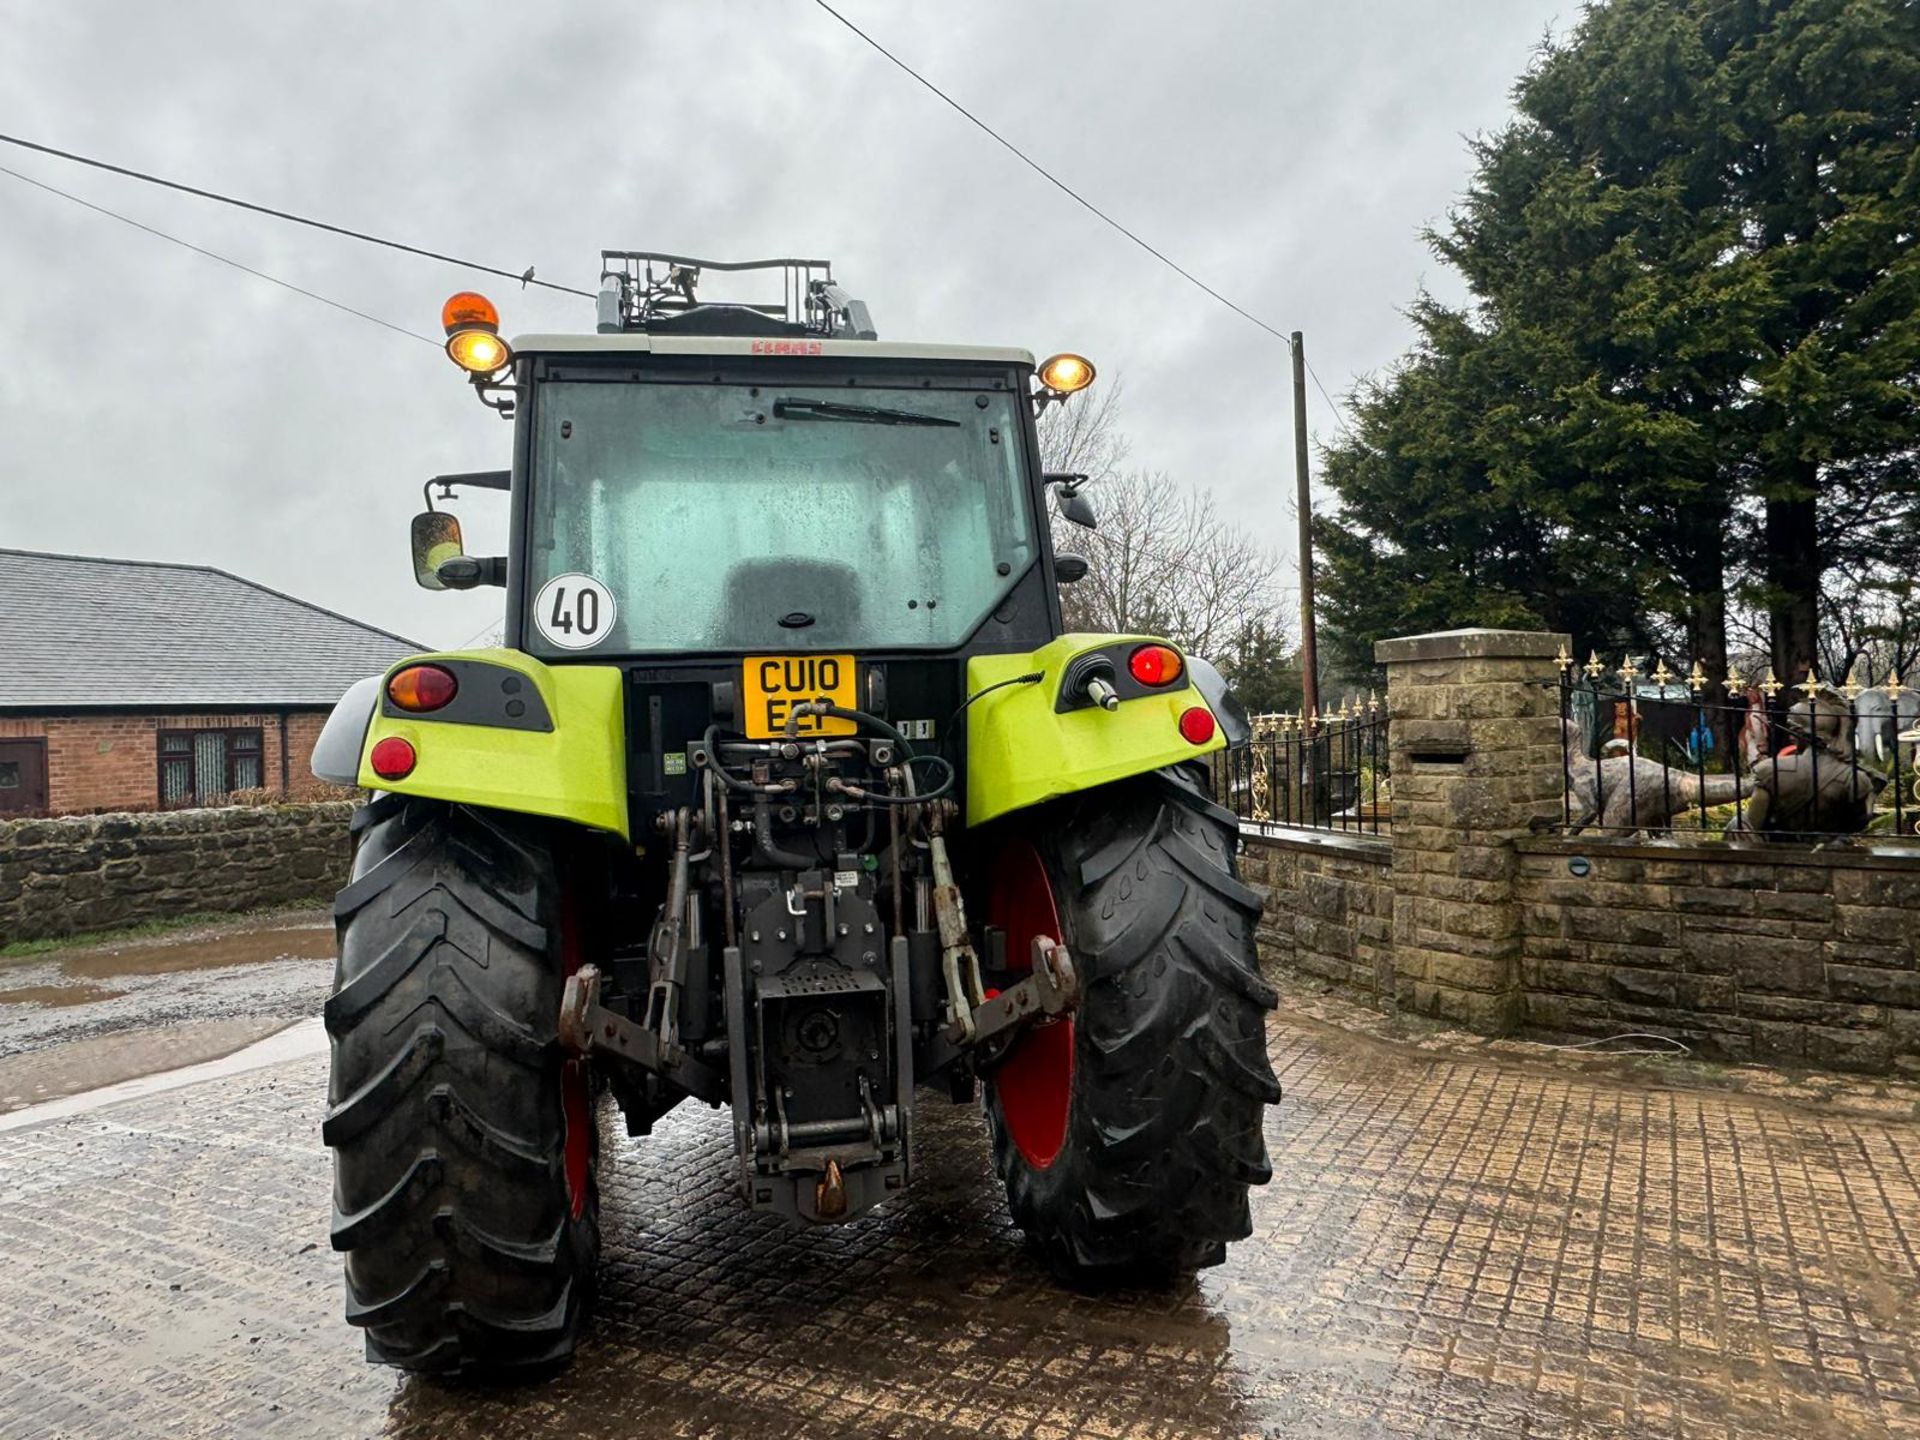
{"points": [[575, 1084], [1034, 1084]]}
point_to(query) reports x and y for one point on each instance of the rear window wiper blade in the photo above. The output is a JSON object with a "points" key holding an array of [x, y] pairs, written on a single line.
{"points": [[856, 414]]}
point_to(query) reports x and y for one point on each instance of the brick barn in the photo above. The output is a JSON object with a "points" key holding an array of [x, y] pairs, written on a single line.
{"points": [[137, 685]]}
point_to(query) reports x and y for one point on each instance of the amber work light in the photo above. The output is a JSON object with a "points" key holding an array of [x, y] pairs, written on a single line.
{"points": [[473, 334], [1065, 374]]}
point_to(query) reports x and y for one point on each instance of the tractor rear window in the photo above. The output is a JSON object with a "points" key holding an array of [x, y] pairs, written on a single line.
{"points": [[778, 517]]}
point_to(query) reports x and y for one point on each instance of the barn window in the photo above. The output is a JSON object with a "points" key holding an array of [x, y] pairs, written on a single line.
{"points": [[204, 767]]}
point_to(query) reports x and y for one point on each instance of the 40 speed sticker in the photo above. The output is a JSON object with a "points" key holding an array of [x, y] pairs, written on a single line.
{"points": [[574, 612]]}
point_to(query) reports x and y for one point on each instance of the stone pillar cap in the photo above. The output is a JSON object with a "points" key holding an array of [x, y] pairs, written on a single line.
{"points": [[1472, 643]]}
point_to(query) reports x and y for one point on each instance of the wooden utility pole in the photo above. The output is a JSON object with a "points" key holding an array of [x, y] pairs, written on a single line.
{"points": [[1309, 659]]}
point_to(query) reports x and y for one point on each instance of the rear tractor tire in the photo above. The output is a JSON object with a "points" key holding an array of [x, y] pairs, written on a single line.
{"points": [[463, 1139], [1128, 1134]]}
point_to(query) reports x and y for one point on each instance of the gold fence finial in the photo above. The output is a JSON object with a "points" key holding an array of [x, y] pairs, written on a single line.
{"points": [[1735, 680], [1893, 687], [1662, 676], [1770, 686], [1595, 666], [1853, 687], [1810, 686], [1562, 658], [1697, 678]]}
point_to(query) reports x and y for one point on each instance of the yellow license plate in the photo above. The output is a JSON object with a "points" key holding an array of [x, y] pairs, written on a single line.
{"points": [[771, 685]]}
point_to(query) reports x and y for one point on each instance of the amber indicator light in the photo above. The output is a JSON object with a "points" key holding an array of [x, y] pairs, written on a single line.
{"points": [[1155, 664], [422, 687]]}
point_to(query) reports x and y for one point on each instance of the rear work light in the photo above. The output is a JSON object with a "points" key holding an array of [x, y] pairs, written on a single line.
{"points": [[421, 688], [1155, 664], [392, 758], [1196, 725]]}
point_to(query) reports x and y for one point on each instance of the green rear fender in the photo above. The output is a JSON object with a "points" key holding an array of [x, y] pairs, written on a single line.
{"points": [[1022, 751], [576, 770]]}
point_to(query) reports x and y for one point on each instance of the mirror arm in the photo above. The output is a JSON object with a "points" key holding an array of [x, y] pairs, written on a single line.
{"points": [[509, 395], [468, 479], [469, 572]]}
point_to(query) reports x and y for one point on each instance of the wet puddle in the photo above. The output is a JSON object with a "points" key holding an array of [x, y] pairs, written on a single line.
{"points": [[58, 995], [298, 1041], [198, 952]]}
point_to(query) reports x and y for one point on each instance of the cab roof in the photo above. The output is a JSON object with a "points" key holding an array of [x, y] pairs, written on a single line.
{"points": [[803, 345]]}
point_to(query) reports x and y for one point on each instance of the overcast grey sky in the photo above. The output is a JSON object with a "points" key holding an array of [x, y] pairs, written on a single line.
{"points": [[155, 404]]}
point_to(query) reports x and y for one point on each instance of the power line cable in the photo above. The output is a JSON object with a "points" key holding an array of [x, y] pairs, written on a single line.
{"points": [[1048, 175], [1338, 418], [525, 278], [223, 259]]}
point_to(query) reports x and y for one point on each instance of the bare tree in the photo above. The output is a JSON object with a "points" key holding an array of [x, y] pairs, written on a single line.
{"points": [[1163, 560], [1082, 436]]}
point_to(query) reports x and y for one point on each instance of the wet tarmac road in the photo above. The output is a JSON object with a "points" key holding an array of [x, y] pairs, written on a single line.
{"points": [[1452, 1246]]}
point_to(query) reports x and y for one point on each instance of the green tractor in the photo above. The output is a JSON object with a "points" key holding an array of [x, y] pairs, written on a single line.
{"points": [[786, 793]]}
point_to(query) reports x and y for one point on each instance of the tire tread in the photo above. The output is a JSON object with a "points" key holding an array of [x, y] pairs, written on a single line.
{"points": [[1172, 1077], [450, 1198]]}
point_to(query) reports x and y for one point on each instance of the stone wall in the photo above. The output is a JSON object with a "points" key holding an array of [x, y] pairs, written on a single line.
{"points": [[1473, 913], [83, 873], [1329, 905], [1773, 954]]}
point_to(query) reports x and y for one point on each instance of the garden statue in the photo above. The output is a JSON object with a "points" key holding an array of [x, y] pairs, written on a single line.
{"points": [[1878, 720], [1815, 785], [1630, 792]]}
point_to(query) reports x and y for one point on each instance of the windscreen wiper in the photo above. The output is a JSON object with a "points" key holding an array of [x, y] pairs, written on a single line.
{"points": [[856, 414]]}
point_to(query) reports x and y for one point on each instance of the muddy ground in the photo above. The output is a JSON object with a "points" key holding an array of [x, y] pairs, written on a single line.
{"points": [[1460, 1240], [93, 1014]]}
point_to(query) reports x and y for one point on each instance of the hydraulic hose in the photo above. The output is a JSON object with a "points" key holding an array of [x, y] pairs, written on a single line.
{"points": [[844, 712], [907, 755], [711, 740]]}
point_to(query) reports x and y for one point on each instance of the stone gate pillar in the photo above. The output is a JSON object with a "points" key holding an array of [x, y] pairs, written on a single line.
{"points": [[1475, 754]]}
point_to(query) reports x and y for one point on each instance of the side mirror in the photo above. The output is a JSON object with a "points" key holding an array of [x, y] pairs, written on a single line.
{"points": [[1069, 567], [1073, 506], [436, 540]]}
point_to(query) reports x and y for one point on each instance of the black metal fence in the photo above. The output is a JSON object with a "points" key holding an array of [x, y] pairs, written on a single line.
{"points": [[1663, 754], [1325, 772]]}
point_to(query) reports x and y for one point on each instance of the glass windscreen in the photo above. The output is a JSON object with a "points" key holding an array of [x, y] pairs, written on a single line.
{"points": [[773, 517]]}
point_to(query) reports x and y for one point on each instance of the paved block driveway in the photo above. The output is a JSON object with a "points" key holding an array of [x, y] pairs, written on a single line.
{"points": [[1451, 1247]]}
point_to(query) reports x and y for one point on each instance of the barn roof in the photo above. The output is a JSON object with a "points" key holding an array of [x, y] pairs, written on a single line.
{"points": [[79, 632]]}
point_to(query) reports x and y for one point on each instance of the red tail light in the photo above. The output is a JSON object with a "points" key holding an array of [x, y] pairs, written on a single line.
{"points": [[1196, 725], [422, 687], [392, 758], [1155, 664]]}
